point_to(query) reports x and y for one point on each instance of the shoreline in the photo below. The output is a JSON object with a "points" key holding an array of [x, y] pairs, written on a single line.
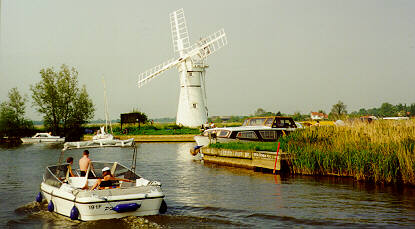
{"points": [[152, 138]]}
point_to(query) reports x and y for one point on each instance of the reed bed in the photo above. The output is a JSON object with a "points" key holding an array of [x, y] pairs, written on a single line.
{"points": [[382, 151]]}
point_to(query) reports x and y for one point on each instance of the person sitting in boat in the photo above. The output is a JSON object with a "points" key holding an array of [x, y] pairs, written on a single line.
{"points": [[108, 180], [84, 162], [69, 160]]}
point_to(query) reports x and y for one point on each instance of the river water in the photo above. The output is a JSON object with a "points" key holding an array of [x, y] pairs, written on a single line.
{"points": [[206, 195]]}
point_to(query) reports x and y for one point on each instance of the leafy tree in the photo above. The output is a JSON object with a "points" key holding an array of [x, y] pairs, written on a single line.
{"points": [[411, 109], [259, 112], [12, 115], [65, 107], [338, 110], [387, 109], [141, 117], [297, 116]]}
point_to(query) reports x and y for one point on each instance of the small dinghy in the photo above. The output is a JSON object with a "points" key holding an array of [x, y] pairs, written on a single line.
{"points": [[72, 197]]}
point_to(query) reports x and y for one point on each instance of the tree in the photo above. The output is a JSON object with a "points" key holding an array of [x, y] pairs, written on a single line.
{"points": [[387, 110], [259, 112], [140, 117], [338, 110], [65, 107], [297, 116], [12, 115]]}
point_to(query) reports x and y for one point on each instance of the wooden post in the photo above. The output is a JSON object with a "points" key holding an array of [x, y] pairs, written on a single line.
{"points": [[276, 158]]}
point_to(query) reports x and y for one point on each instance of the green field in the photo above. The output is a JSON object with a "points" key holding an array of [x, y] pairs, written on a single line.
{"points": [[148, 129]]}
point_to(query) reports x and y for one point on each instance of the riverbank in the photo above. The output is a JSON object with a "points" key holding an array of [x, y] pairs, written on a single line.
{"points": [[382, 152], [152, 138]]}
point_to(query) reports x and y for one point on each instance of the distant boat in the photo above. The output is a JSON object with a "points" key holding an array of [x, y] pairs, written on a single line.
{"points": [[42, 137], [103, 134]]}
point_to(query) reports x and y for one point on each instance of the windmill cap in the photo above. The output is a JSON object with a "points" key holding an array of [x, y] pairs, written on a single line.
{"points": [[106, 169]]}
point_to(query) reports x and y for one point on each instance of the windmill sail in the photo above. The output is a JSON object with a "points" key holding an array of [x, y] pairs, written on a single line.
{"points": [[192, 109], [179, 32]]}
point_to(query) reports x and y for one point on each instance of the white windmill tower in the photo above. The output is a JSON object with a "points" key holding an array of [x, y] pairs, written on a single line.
{"points": [[192, 109]]}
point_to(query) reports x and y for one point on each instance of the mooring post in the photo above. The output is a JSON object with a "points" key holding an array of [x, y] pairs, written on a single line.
{"points": [[276, 158]]}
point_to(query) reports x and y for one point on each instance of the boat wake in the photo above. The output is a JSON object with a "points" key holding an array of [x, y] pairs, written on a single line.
{"points": [[37, 213]]}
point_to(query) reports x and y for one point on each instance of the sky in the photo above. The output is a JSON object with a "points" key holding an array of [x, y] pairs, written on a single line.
{"points": [[288, 56]]}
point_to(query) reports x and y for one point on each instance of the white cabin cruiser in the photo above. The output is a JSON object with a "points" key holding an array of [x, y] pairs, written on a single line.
{"points": [[264, 129], [42, 137], [72, 197]]}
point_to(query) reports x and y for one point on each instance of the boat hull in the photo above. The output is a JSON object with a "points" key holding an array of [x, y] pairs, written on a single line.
{"points": [[97, 209], [40, 140], [204, 140]]}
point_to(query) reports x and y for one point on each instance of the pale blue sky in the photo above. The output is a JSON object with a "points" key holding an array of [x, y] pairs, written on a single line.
{"points": [[282, 55]]}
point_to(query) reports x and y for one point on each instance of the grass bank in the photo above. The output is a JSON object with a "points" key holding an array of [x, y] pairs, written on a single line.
{"points": [[382, 151], [150, 129]]}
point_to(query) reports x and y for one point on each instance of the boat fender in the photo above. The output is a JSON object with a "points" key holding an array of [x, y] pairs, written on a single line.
{"points": [[163, 207], [126, 207], [74, 213], [51, 207], [195, 150], [39, 197]]}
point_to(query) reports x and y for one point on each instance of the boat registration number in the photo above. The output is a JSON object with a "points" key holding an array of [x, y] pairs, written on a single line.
{"points": [[95, 206], [98, 206]]}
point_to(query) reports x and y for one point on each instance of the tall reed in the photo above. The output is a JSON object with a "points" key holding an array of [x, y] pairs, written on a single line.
{"points": [[382, 151]]}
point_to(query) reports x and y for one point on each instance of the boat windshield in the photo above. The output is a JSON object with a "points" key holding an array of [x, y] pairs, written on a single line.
{"points": [[284, 123], [118, 170], [254, 122], [54, 175]]}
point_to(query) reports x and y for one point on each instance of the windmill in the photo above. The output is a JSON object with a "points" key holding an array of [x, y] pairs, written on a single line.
{"points": [[191, 63]]}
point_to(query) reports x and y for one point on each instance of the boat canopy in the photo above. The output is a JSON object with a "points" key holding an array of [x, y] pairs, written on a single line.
{"points": [[99, 144], [96, 144]]}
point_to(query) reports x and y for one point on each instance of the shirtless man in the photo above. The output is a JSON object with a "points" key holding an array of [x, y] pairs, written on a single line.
{"points": [[84, 162]]}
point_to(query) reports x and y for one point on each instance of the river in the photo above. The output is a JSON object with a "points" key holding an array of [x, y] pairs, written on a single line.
{"points": [[207, 195]]}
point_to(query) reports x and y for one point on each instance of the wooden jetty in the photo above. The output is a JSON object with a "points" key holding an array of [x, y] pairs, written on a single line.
{"points": [[257, 160]]}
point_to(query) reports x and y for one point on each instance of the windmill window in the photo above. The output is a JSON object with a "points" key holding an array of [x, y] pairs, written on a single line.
{"points": [[194, 105]]}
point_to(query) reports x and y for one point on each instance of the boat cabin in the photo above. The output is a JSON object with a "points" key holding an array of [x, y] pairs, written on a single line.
{"points": [[253, 129], [272, 121]]}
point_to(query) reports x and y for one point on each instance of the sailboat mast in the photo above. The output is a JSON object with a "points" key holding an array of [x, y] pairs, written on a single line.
{"points": [[106, 109]]}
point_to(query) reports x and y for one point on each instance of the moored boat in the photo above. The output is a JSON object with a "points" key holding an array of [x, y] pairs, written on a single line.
{"points": [[42, 137], [264, 129]]}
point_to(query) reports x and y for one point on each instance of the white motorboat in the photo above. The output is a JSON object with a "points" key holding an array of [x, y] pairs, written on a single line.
{"points": [[42, 137], [264, 129], [67, 195]]}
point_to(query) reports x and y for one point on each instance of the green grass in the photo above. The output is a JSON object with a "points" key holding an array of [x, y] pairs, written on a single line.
{"points": [[156, 129]]}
